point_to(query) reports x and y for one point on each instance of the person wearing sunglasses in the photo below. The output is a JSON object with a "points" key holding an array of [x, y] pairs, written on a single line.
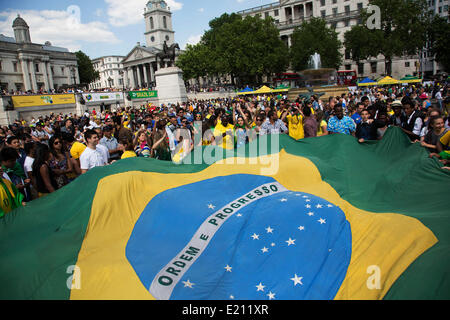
{"points": [[60, 163]]}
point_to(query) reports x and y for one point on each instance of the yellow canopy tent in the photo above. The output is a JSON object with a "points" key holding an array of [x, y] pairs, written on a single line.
{"points": [[263, 89], [387, 80]]}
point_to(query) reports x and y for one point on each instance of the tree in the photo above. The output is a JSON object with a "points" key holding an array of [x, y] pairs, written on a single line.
{"points": [[403, 29], [361, 43], [246, 49], [438, 36], [195, 61], [86, 69], [311, 37]]}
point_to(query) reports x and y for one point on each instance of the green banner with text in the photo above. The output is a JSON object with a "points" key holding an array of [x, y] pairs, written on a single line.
{"points": [[143, 94]]}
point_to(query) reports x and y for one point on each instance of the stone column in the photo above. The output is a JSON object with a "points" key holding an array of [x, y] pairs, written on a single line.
{"points": [[26, 74], [77, 75], [152, 72], [138, 70], [50, 76], [144, 66], [33, 77], [131, 75], [44, 71]]}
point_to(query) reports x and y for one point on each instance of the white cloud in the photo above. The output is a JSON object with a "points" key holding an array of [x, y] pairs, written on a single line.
{"points": [[201, 10], [61, 28], [123, 13], [194, 39]]}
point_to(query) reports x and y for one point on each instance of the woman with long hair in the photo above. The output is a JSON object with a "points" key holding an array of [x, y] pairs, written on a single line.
{"points": [[435, 132], [60, 163], [197, 127], [321, 123], [42, 173], [142, 144]]}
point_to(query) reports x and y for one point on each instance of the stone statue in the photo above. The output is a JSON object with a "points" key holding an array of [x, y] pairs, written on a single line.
{"points": [[168, 53]]}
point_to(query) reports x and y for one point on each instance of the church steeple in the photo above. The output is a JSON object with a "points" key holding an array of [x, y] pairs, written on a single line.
{"points": [[158, 22]]}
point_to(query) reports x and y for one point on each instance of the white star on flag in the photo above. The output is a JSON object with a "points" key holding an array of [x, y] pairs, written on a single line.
{"points": [[269, 229], [260, 287], [188, 284], [298, 194], [310, 214], [210, 206], [239, 215], [305, 197], [231, 297], [255, 236], [272, 244], [308, 206], [297, 280], [290, 241], [322, 221], [264, 250], [271, 295], [319, 206], [307, 200], [228, 268], [329, 206], [301, 228], [284, 200]]}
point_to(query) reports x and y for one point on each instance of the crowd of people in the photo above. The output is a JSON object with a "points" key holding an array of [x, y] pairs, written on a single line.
{"points": [[45, 154]]}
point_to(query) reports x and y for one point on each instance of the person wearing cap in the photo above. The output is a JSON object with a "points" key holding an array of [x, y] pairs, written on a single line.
{"points": [[398, 117], [110, 143], [39, 135]]}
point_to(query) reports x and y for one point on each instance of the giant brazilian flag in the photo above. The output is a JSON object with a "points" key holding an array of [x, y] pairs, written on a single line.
{"points": [[322, 218]]}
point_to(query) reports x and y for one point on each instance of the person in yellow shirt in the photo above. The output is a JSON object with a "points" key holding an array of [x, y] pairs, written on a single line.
{"points": [[224, 133], [10, 197], [295, 123], [126, 145]]}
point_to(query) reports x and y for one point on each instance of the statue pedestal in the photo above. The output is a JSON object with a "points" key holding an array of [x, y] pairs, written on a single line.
{"points": [[170, 86]]}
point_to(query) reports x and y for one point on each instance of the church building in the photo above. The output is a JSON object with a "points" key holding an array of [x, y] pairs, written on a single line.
{"points": [[141, 63]]}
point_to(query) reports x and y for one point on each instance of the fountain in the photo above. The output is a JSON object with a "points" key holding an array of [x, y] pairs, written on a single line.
{"points": [[315, 75]]}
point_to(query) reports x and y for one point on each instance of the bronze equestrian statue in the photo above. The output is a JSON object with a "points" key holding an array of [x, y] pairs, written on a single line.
{"points": [[167, 53]]}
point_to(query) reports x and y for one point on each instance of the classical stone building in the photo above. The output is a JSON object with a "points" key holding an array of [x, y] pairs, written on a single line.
{"points": [[340, 15], [110, 69], [28, 66], [140, 64]]}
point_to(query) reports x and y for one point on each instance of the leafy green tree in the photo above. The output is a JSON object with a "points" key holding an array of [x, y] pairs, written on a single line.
{"points": [[195, 61], [86, 69], [403, 31], [246, 49], [361, 43], [438, 36], [311, 37]]}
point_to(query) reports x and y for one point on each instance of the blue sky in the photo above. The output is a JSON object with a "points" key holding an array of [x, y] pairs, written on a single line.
{"points": [[110, 27]]}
